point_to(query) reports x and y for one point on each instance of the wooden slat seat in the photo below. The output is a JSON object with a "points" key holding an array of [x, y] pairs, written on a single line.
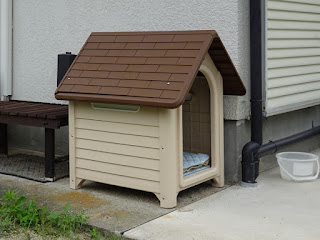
{"points": [[48, 116]]}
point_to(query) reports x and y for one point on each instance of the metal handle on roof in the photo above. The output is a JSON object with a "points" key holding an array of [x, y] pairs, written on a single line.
{"points": [[115, 107]]}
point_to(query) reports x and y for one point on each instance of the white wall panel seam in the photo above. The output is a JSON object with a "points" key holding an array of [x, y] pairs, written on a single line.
{"points": [[293, 79]]}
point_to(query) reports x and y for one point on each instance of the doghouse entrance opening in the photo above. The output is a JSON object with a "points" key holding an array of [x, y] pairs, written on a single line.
{"points": [[197, 128]]}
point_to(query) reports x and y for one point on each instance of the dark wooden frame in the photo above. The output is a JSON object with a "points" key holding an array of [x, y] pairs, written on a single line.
{"points": [[3, 139], [48, 116]]}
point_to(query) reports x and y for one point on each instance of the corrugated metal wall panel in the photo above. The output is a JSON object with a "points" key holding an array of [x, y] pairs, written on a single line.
{"points": [[293, 43]]}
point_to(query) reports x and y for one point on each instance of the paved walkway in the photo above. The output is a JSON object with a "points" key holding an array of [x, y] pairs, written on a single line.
{"points": [[276, 209]]}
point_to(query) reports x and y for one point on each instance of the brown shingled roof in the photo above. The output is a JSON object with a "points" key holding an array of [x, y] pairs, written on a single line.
{"points": [[145, 68]]}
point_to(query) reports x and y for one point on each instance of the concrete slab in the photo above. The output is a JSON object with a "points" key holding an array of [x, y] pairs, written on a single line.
{"points": [[112, 208], [275, 209]]}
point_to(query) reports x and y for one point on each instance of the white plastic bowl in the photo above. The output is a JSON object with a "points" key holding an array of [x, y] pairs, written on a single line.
{"points": [[298, 166]]}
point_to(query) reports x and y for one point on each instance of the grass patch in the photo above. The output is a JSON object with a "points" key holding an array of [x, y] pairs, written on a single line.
{"points": [[16, 211]]}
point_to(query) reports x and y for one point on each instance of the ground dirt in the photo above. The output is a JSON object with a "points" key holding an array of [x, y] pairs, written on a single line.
{"points": [[25, 234]]}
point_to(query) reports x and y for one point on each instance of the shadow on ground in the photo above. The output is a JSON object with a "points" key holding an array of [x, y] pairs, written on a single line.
{"points": [[112, 208]]}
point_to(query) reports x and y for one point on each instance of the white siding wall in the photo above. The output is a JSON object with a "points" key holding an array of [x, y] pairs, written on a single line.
{"points": [[293, 77], [43, 29]]}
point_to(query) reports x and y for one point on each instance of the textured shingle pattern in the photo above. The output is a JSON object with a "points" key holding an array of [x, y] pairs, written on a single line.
{"points": [[144, 68]]}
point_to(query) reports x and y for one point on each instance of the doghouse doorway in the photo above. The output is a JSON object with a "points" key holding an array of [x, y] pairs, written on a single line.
{"points": [[197, 127]]}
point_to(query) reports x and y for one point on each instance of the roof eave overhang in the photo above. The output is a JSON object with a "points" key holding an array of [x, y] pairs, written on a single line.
{"points": [[212, 44]]}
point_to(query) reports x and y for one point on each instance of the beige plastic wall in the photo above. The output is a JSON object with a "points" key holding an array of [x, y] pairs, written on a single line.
{"points": [[114, 147], [142, 150]]}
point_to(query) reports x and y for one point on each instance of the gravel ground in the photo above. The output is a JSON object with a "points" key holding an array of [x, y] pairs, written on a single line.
{"points": [[25, 234], [31, 166]]}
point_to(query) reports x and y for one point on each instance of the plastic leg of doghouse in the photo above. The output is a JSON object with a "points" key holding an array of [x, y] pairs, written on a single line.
{"points": [[76, 183], [167, 201], [218, 181]]}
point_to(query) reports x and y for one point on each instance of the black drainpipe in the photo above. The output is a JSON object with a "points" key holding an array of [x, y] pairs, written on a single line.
{"points": [[254, 149], [273, 146]]}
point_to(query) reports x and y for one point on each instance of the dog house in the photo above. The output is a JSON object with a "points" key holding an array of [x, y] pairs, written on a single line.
{"points": [[146, 110]]}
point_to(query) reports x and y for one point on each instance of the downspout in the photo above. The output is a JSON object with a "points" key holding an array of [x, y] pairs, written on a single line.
{"points": [[254, 149], [250, 159], [273, 146], [6, 49]]}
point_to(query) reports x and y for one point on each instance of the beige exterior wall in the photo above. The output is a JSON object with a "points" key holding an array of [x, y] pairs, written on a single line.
{"points": [[120, 148], [293, 80]]}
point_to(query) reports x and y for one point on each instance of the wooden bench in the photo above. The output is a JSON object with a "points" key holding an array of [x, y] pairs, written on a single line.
{"points": [[48, 116]]}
